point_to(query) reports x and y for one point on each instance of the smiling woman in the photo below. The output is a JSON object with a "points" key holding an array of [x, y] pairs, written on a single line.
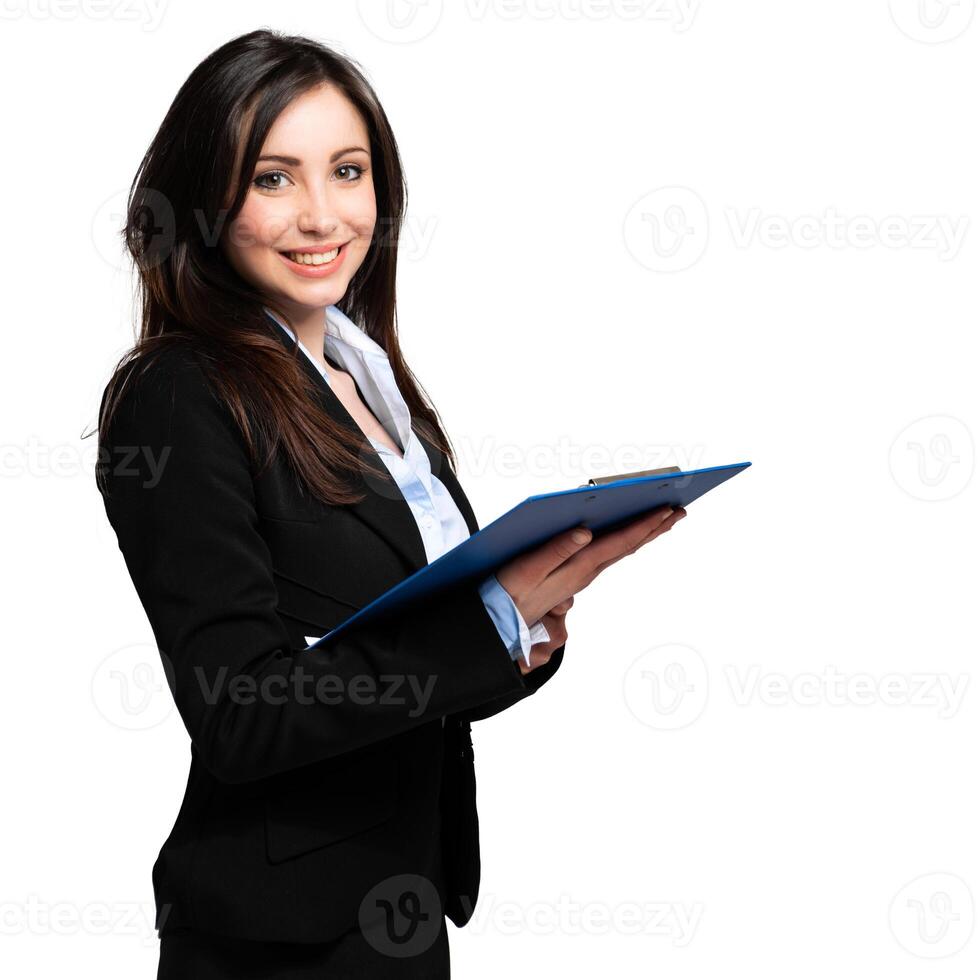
{"points": [[270, 465], [312, 218], [274, 148]]}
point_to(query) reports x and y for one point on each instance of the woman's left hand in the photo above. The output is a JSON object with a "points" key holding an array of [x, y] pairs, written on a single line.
{"points": [[554, 622]]}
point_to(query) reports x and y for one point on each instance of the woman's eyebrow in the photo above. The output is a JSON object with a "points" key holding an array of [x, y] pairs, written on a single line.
{"points": [[296, 162]]}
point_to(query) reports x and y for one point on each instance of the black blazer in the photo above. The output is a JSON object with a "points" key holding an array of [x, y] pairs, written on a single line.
{"points": [[297, 805]]}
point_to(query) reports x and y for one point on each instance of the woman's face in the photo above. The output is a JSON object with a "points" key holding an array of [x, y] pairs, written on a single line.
{"points": [[311, 191]]}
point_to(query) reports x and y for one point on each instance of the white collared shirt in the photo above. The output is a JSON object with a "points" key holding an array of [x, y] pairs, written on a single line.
{"points": [[440, 523]]}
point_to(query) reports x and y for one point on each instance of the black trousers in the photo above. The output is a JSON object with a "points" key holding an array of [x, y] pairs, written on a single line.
{"points": [[189, 955]]}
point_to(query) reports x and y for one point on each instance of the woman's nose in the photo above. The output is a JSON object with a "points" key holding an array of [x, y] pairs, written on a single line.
{"points": [[319, 223], [317, 214]]}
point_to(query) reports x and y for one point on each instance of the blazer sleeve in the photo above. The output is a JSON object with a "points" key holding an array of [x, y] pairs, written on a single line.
{"points": [[532, 683], [178, 490]]}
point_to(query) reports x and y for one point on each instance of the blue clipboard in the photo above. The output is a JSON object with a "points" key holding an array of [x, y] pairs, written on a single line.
{"points": [[600, 506]]}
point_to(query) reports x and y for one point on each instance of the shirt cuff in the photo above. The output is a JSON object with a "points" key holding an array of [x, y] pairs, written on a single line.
{"points": [[515, 633]]}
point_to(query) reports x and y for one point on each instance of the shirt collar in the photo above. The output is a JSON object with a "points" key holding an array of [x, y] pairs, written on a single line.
{"points": [[339, 325]]}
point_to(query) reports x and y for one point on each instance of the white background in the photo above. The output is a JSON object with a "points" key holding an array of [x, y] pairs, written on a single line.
{"points": [[697, 233]]}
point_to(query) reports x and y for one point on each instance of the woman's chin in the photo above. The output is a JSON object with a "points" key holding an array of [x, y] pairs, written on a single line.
{"points": [[308, 292]]}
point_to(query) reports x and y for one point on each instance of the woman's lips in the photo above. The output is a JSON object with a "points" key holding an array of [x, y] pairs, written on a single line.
{"points": [[315, 271]]}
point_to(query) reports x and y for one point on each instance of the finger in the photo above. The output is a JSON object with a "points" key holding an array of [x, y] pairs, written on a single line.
{"points": [[539, 655], [666, 525], [609, 547], [562, 607], [557, 632], [655, 533], [678, 514], [615, 544], [540, 562]]}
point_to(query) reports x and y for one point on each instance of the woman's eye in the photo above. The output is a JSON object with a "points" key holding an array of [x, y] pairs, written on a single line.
{"points": [[278, 175], [352, 166], [266, 187]]}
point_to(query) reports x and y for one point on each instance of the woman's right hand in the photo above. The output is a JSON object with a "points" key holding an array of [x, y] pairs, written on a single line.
{"points": [[540, 579]]}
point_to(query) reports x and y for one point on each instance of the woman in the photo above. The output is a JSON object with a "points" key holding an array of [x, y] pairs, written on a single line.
{"points": [[270, 465]]}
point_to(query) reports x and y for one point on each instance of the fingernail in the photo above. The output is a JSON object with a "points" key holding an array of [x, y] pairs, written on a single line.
{"points": [[580, 536]]}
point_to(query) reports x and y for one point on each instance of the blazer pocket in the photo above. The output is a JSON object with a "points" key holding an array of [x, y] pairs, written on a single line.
{"points": [[309, 606], [331, 559], [340, 801]]}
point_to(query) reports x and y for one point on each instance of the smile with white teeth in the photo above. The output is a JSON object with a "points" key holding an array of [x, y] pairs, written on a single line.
{"points": [[312, 258]]}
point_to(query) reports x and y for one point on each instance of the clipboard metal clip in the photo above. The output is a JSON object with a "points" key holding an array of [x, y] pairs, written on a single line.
{"points": [[596, 481]]}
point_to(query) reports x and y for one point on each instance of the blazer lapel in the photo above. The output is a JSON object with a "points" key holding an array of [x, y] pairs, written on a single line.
{"points": [[384, 507]]}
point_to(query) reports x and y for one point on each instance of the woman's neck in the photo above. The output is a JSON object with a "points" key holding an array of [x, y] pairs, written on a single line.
{"points": [[310, 326]]}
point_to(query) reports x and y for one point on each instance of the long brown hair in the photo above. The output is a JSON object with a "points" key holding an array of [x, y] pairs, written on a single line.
{"points": [[190, 294]]}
